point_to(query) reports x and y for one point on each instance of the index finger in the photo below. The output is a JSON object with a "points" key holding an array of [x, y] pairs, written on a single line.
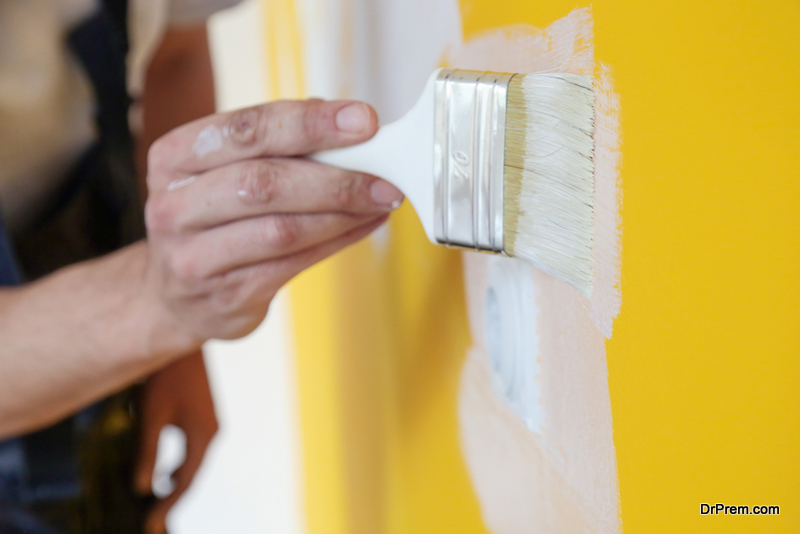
{"points": [[282, 128]]}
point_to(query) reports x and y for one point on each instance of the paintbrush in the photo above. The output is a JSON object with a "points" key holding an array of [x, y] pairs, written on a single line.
{"points": [[498, 163]]}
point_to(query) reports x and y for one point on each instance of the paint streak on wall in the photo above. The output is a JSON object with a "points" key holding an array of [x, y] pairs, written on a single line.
{"points": [[606, 299], [563, 478]]}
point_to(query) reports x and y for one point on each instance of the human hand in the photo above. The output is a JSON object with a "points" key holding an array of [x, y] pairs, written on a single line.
{"points": [[233, 214], [177, 395]]}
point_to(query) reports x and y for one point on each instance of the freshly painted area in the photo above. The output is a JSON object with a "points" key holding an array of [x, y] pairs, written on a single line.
{"points": [[510, 331]]}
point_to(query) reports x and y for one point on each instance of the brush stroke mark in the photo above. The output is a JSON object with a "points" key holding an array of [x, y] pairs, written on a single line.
{"points": [[565, 46], [606, 297]]}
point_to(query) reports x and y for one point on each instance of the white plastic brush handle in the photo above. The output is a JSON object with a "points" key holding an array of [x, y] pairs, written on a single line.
{"points": [[400, 153]]}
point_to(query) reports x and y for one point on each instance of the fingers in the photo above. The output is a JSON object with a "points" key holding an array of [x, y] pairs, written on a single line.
{"points": [[234, 303], [283, 128], [255, 240], [195, 451], [286, 268], [228, 198], [269, 185]]}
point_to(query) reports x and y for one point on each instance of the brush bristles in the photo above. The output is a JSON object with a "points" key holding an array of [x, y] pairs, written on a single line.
{"points": [[548, 212]]}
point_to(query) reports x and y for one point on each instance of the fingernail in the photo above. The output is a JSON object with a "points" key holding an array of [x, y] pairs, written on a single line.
{"points": [[353, 118], [385, 194]]}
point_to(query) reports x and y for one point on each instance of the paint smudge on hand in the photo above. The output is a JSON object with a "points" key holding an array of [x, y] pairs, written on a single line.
{"points": [[209, 140]]}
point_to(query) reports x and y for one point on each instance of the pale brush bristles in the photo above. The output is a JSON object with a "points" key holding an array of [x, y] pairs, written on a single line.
{"points": [[548, 212]]}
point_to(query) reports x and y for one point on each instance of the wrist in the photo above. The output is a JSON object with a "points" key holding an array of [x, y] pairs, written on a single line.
{"points": [[163, 336]]}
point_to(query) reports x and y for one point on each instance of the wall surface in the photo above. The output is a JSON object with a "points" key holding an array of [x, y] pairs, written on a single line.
{"points": [[403, 427]]}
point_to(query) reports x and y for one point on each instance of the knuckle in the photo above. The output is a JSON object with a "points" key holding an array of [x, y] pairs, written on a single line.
{"points": [[159, 215], [347, 189], [258, 182], [243, 126], [226, 302], [312, 120], [281, 231], [231, 299], [185, 268]]}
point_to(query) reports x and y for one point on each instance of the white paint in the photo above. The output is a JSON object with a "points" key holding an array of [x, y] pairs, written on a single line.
{"points": [[562, 479], [523, 48], [208, 140], [183, 182], [510, 317]]}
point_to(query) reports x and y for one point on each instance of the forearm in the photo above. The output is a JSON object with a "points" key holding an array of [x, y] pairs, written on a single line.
{"points": [[78, 335]]}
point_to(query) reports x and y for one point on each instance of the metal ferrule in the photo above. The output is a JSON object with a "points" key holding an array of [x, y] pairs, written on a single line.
{"points": [[469, 148]]}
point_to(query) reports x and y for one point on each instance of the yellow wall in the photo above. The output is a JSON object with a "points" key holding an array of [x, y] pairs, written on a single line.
{"points": [[703, 365]]}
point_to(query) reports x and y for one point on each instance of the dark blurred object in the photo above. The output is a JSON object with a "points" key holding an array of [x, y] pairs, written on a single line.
{"points": [[108, 502]]}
